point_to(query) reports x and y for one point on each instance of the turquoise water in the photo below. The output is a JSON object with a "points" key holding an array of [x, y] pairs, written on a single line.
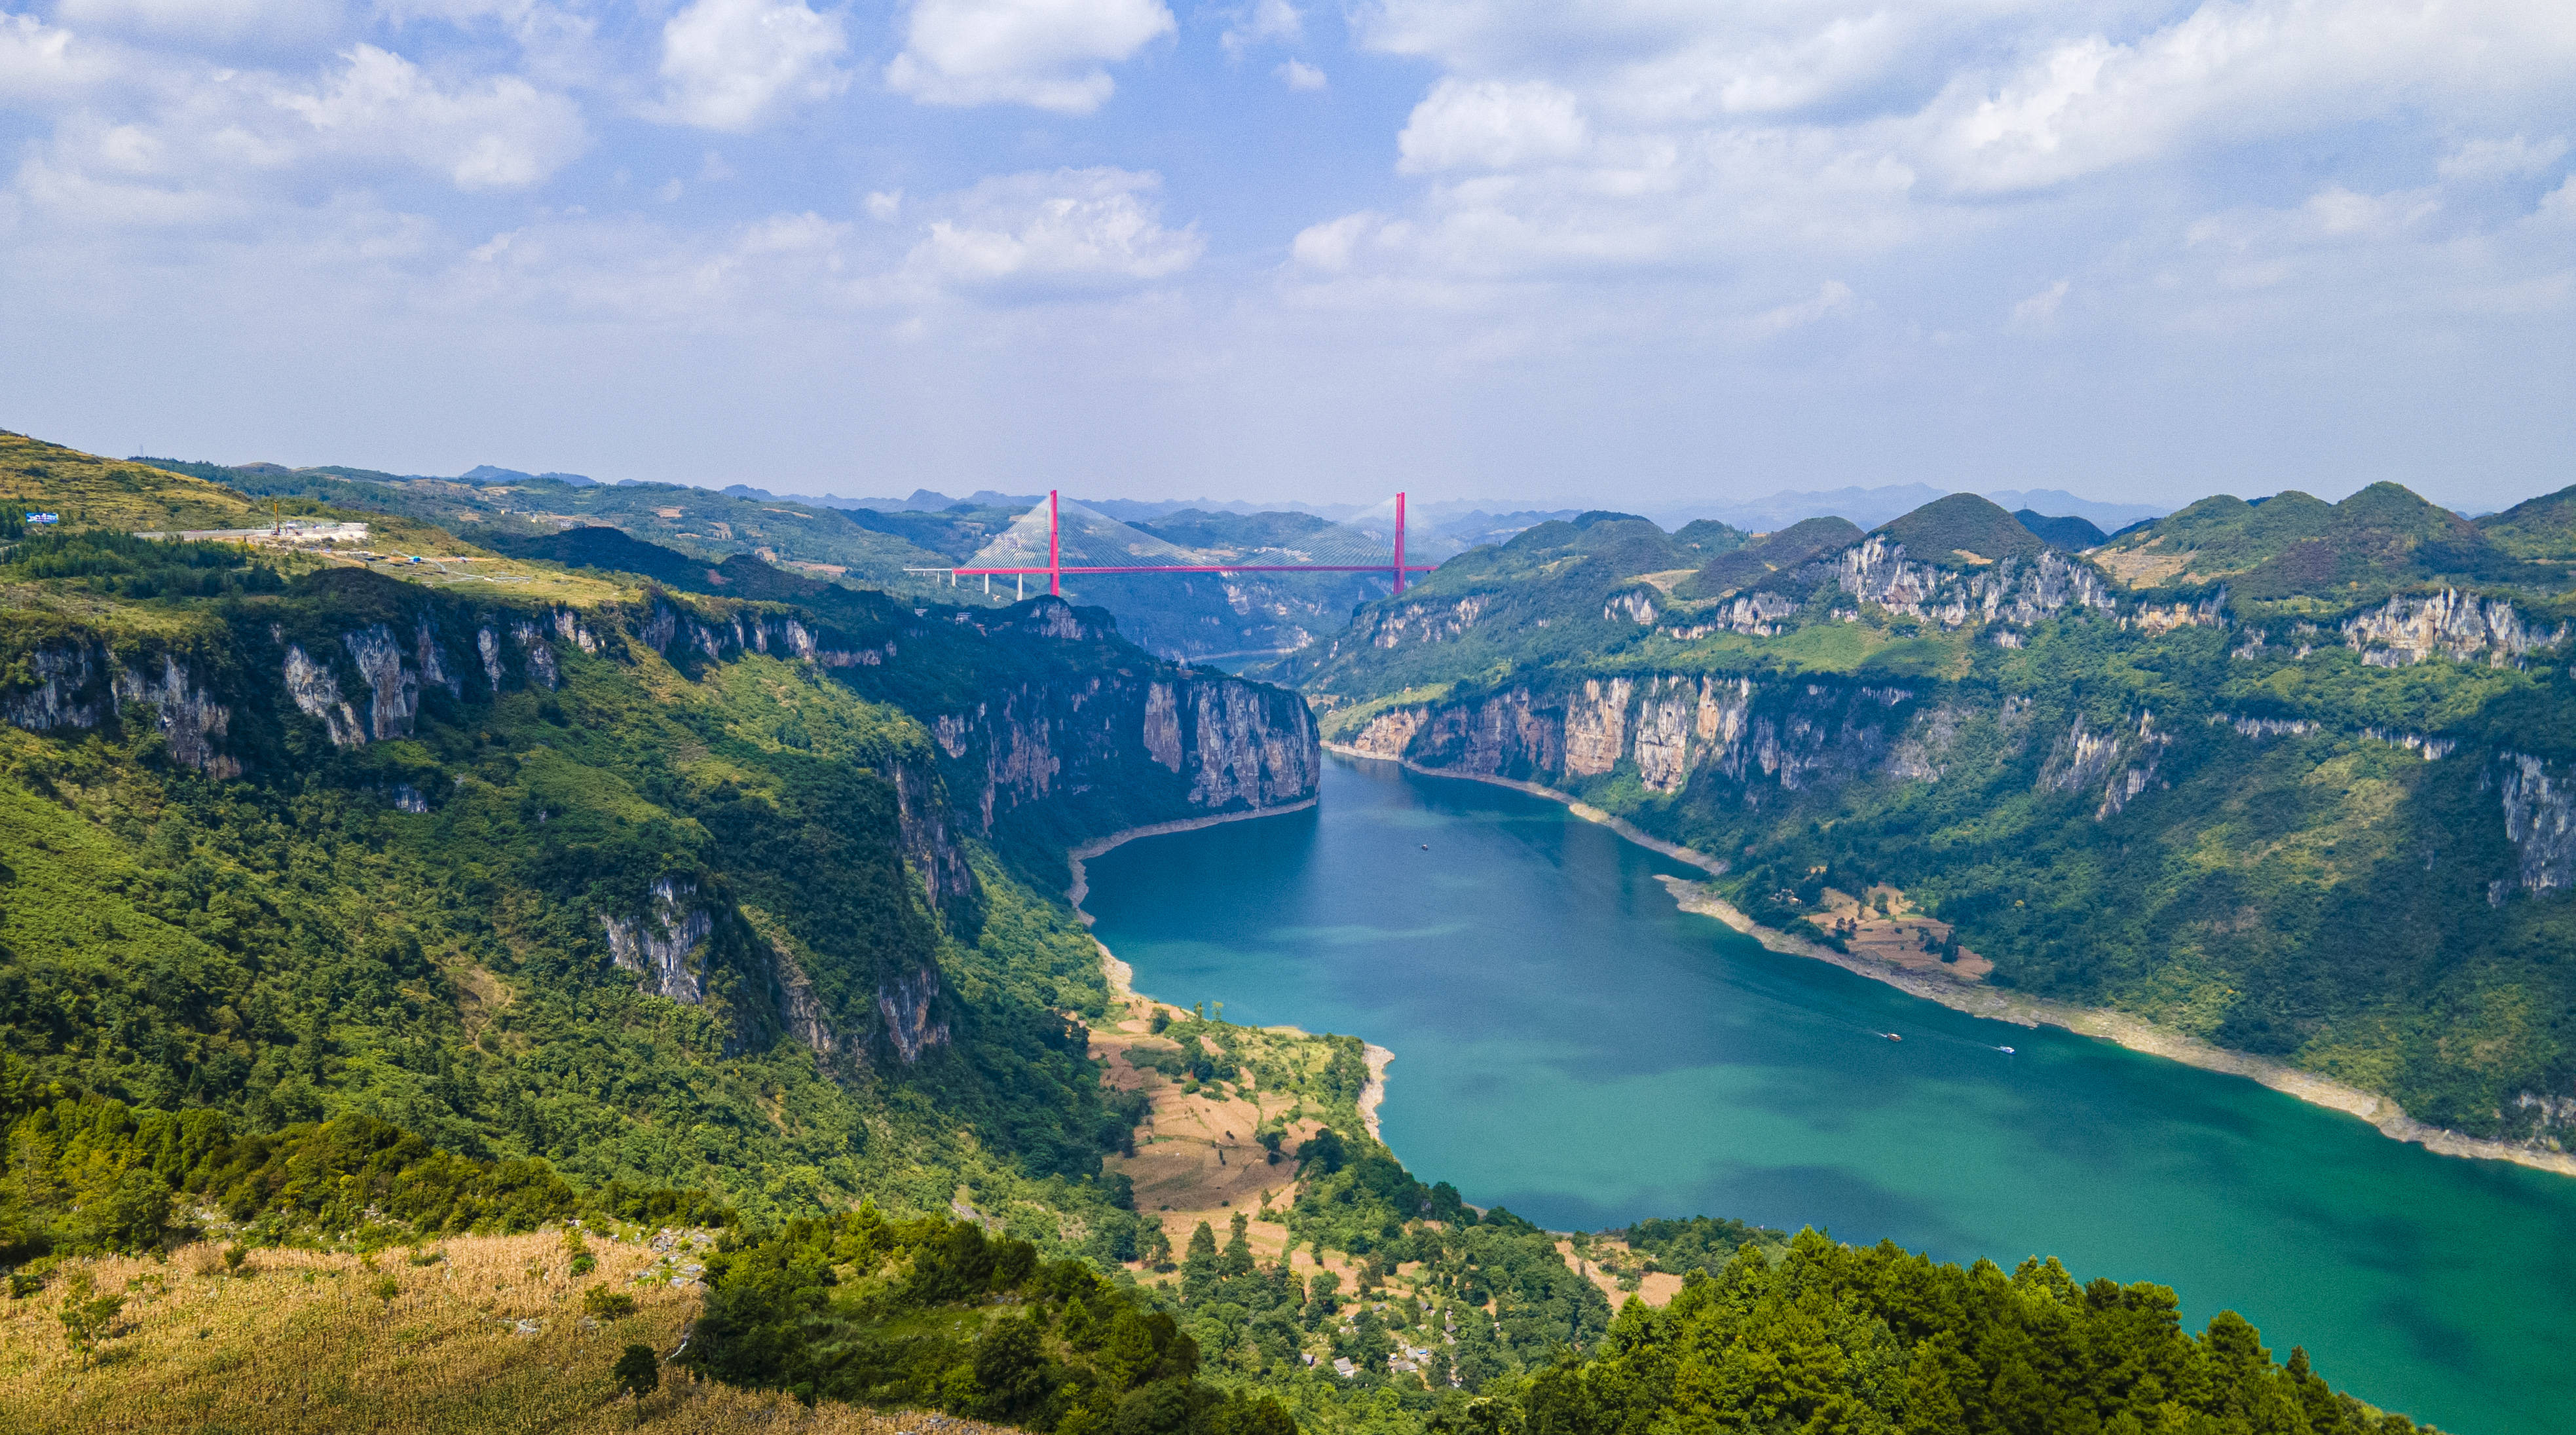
{"points": [[1571, 1045]]}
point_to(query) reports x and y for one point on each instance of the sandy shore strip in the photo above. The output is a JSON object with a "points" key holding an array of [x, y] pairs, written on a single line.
{"points": [[1081, 887], [2021, 1009], [1374, 1094], [1122, 977]]}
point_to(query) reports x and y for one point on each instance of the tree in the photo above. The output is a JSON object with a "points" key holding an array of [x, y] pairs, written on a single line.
{"points": [[1199, 1268], [87, 1316], [1237, 1260], [638, 1374]]}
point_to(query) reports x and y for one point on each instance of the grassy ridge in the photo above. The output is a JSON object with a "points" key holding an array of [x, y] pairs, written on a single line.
{"points": [[402, 1343]]}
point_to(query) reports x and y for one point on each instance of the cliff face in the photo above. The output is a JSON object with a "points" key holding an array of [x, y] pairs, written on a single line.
{"points": [[1067, 745], [1743, 736], [1032, 725], [2192, 862]]}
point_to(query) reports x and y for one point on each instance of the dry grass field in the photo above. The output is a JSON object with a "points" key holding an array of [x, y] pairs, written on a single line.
{"points": [[489, 1334]]}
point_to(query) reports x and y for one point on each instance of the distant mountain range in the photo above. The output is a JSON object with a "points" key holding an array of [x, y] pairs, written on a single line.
{"points": [[1870, 507]]}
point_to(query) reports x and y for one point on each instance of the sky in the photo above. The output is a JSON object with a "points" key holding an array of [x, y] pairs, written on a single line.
{"points": [[1636, 253]]}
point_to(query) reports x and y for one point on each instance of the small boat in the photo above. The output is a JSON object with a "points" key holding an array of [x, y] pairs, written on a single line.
{"points": [[2006, 1050], [1426, 846], [1891, 1036]]}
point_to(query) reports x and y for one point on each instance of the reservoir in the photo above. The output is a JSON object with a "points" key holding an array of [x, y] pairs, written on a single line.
{"points": [[1571, 1045]]}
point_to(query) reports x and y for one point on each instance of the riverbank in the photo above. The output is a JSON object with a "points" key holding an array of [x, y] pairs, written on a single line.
{"points": [[1975, 999], [1122, 978], [1074, 859]]}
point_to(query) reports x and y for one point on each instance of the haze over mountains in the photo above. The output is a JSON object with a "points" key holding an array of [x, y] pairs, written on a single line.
{"points": [[1487, 520]]}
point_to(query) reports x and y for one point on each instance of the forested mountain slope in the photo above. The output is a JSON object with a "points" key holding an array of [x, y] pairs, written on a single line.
{"points": [[343, 910], [2292, 776], [666, 889], [1193, 616]]}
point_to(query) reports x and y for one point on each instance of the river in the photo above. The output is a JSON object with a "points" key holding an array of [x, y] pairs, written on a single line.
{"points": [[1569, 1044]]}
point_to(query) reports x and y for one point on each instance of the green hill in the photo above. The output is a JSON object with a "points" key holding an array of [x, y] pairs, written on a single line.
{"points": [[2293, 792], [2301, 550], [1962, 531], [2073, 534], [2542, 528], [1757, 561]]}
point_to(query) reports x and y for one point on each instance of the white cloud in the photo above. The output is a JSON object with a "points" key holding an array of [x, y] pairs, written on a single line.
{"points": [[2039, 311], [2501, 159], [1331, 246], [2237, 71], [1490, 124], [41, 65], [1298, 75], [1050, 54], [1264, 21], [1831, 298], [499, 133], [1067, 231], [736, 64], [884, 205]]}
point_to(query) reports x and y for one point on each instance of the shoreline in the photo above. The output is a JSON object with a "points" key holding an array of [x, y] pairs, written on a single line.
{"points": [[1121, 977], [2021, 1009], [1077, 856], [1373, 1095]]}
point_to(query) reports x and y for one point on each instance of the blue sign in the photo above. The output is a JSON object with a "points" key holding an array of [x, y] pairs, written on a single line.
{"points": [[44, 518]]}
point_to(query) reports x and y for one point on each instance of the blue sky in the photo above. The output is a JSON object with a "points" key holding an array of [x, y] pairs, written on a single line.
{"points": [[1630, 252]]}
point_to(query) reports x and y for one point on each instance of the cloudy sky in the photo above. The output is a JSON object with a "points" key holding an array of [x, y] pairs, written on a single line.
{"points": [[1628, 251]]}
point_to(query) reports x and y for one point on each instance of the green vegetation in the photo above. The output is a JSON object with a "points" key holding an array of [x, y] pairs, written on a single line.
{"points": [[2301, 554], [932, 1313], [2212, 810], [1962, 531], [509, 913], [2072, 534], [1772, 561], [1828, 1338], [88, 1175]]}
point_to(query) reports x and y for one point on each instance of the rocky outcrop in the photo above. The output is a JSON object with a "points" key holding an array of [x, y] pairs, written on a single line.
{"points": [[1637, 605], [74, 687], [1756, 615], [65, 691], [394, 675], [800, 1011], [393, 684], [1227, 743], [1394, 626], [661, 945], [928, 840], [2431, 749], [2123, 760], [2009, 590], [542, 668], [1596, 726], [1163, 726], [2540, 820], [2450, 624], [2262, 728], [1672, 727], [1389, 734], [189, 719], [2209, 612], [2549, 1120], [909, 1005], [316, 694]]}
